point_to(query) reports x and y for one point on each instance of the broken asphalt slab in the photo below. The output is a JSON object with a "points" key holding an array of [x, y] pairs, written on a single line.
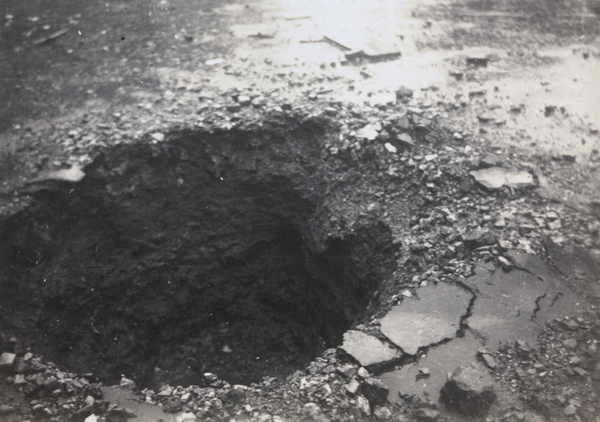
{"points": [[439, 361], [431, 318], [367, 350], [515, 304]]}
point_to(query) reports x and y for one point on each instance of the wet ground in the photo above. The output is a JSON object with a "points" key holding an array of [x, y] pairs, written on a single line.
{"points": [[351, 201]]}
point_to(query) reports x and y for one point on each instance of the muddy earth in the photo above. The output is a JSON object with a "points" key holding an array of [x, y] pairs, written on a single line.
{"points": [[277, 211]]}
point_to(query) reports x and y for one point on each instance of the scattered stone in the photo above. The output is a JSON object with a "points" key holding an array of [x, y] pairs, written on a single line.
{"points": [[347, 370], [390, 148], [368, 350], [244, 100], [368, 132], [523, 349], [480, 237], [7, 361], [406, 139], [423, 373], [404, 94], [187, 417], [374, 390], [572, 343], [429, 319], [488, 361], [363, 373], [73, 174], [312, 409], [425, 414], [127, 383], [470, 389], [497, 177], [363, 404], [478, 61], [158, 136], [233, 108], [352, 387], [382, 412], [213, 62], [554, 225], [570, 410], [505, 262]]}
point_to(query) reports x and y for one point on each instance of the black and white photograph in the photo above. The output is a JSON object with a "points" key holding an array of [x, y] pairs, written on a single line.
{"points": [[299, 210]]}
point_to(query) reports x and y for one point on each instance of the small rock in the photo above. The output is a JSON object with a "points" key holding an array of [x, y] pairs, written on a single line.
{"points": [[363, 404], [233, 108], [244, 100], [213, 62], [523, 349], [367, 349], [504, 262], [497, 177], [470, 389], [352, 387], [209, 376], [390, 148], [478, 61], [489, 361], [423, 373], [312, 409], [479, 237], [580, 371], [425, 414], [374, 390], [554, 225], [158, 136], [363, 373], [348, 370], [127, 383], [570, 410], [91, 418], [368, 132], [7, 361], [572, 343], [382, 412], [403, 93], [406, 139], [187, 417]]}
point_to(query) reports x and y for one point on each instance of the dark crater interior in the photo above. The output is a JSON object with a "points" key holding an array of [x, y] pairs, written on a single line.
{"points": [[208, 252]]}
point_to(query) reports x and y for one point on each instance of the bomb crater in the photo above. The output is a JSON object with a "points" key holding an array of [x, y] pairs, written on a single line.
{"points": [[207, 252]]}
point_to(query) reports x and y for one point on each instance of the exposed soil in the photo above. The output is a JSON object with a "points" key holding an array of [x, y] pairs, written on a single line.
{"points": [[206, 252]]}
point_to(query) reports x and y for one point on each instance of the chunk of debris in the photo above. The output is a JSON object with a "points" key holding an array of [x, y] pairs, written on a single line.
{"points": [[374, 390], [429, 319], [368, 132], [390, 148], [480, 61], [470, 389], [497, 177], [480, 237], [258, 31], [367, 350], [404, 94], [7, 361], [158, 136], [425, 414], [73, 174], [406, 139]]}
